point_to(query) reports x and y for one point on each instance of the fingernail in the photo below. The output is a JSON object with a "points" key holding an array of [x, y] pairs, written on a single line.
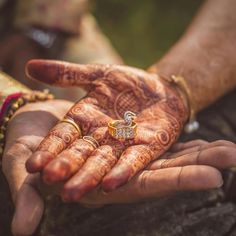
{"points": [[42, 70]]}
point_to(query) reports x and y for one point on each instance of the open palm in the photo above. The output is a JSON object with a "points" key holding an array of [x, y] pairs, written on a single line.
{"points": [[112, 90], [190, 166]]}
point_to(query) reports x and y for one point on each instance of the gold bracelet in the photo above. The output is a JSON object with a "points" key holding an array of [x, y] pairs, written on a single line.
{"points": [[192, 124], [25, 98]]}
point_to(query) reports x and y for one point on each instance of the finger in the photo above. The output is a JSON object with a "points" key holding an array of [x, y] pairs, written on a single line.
{"points": [[179, 149], [90, 175], [29, 208], [132, 160], [88, 115], [159, 183], [171, 155], [191, 178], [220, 157], [182, 146], [64, 73], [201, 145], [68, 162], [224, 143], [61, 136]]}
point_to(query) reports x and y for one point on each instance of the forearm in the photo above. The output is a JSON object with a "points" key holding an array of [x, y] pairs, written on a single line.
{"points": [[205, 55]]}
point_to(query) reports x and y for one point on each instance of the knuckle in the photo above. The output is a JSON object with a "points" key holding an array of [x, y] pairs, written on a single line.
{"points": [[143, 182], [179, 184], [166, 163]]}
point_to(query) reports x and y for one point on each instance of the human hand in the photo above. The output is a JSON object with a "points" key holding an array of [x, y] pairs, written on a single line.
{"points": [[190, 166], [24, 133], [112, 90]]}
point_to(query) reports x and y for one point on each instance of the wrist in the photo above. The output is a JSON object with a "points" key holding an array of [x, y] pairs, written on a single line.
{"points": [[12, 103], [192, 124], [209, 69], [13, 96], [181, 90]]}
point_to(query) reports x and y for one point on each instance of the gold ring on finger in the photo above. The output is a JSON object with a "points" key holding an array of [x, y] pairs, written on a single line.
{"points": [[92, 141], [70, 121], [123, 129]]}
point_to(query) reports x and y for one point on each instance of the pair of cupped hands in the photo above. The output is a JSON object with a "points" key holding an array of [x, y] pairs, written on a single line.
{"points": [[42, 151]]}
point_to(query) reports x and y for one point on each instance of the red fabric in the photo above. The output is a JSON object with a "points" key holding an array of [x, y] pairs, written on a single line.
{"points": [[9, 99]]}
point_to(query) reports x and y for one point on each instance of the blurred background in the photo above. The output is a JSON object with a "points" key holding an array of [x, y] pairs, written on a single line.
{"points": [[142, 31], [133, 32]]}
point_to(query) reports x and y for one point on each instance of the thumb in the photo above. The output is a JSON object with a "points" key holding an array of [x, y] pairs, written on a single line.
{"points": [[65, 74], [29, 208]]}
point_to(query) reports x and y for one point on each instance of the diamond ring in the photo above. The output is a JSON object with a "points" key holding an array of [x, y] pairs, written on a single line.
{"points": [[123, 129]]}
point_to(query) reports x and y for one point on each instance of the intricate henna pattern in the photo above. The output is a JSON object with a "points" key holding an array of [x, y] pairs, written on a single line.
{"points": [[59, 137], [113, 90], [91, 174], [68, 162]]}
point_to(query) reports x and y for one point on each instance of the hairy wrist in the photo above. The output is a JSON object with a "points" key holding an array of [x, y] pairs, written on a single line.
{"points": [[208, 69], [205, 56], [206, 60]]}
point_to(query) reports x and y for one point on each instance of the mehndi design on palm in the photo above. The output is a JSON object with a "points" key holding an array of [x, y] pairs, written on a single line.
{"points": [[112, 90]]}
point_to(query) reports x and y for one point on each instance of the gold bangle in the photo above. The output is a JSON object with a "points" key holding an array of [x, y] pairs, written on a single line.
{"points": [[192, 124]]}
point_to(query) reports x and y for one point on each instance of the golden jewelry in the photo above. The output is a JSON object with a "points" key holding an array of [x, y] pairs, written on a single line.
{"points": [[123, 129], [70, 121], [192, 124], [122, 132], [92, 141], [33, 96]]}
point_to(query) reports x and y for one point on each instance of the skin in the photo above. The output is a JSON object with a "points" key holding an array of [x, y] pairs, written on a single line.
{"points": [[112, 90], [161, 109], [213, 32], [204, 55], [187, 166]]}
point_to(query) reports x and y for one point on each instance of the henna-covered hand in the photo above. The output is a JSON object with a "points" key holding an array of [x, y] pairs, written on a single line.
{"points": [[190, 166], [25, 131], [112, 90]]}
